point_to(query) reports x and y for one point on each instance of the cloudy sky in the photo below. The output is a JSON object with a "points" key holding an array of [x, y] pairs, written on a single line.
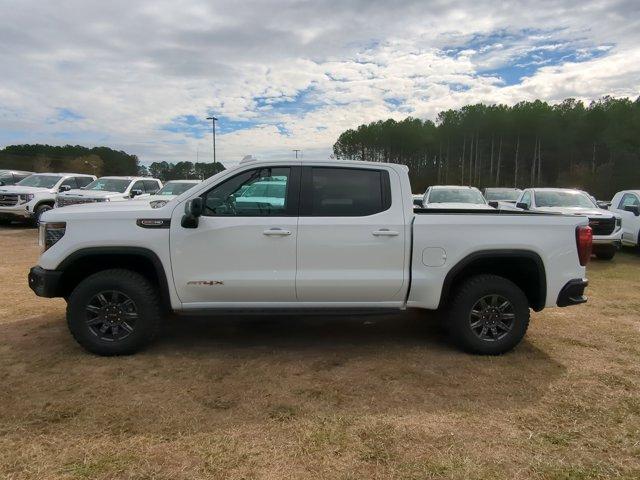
{"points": [[142, 76]]}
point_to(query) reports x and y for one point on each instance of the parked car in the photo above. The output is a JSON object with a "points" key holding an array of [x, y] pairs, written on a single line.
{"points": [[168, 192], [340, 236], [606, 226], [11, 177], [501, 197], [454, 197], [32, 196], [109, 189], [627, 204]]}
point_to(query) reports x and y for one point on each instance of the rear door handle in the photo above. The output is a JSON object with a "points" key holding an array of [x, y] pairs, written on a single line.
{"points": [[385, 232], [277, 231]]}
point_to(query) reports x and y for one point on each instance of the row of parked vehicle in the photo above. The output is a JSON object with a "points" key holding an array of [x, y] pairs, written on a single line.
{"points": [[613, 223], [27, 195]]}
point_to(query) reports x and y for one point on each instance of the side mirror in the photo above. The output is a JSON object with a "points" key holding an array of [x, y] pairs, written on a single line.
{"points": [[64, 188], [522, 205], [2, 183], [633, 209], [493, 203], [192, 210], [135, 193]]}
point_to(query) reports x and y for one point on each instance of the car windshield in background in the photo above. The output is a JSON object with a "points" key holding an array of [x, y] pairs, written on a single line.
{"points": [[108, 185], [506, 195], [455, 195], [41, 181], [563, 199], [175, 188], [4, 177]]}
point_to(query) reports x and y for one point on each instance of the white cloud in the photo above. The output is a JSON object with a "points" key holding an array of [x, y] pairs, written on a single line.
{"points": [[300, 72]]}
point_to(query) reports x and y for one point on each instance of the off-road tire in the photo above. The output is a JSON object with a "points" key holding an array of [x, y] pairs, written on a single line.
{"points": [[466, 297], [135, 286]]}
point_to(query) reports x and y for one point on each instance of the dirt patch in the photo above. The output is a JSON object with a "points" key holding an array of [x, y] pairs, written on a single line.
{"points": [[335, 397]]}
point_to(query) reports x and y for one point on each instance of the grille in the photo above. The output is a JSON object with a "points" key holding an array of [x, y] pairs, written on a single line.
{"points": [[602, 226], [8, 199], [64, 201]]}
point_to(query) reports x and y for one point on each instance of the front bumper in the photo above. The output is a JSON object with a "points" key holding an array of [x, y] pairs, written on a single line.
{"points": [[573, 293], [17, 211], [615, 239], [45, 283]]}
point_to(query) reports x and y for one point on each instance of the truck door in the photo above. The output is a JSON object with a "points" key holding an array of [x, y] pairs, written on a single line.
{"points": [[351, 236], [244, 247]]}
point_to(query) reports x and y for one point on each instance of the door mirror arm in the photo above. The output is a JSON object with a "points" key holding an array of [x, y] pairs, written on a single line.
{"points": [[192, 211]]}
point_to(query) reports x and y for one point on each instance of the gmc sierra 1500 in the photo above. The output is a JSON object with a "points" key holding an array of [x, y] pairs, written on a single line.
{"points": [[307, 236]]}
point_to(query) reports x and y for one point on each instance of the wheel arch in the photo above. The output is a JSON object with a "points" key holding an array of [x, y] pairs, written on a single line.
{"points": [[87, 261], [525, 268]]}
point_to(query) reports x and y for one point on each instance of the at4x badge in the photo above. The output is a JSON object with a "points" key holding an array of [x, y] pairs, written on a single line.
{"points": [[208, 283]]}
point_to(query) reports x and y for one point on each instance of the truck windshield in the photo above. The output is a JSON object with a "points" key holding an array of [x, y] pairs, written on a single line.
{"points": [[563, 199], [175, 188], [503, 194], [108, 185], [456, 195], [41, 181]]}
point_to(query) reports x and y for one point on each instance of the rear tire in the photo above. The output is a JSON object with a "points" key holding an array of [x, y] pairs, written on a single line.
{"points": [[489, 315], [114, 312]]}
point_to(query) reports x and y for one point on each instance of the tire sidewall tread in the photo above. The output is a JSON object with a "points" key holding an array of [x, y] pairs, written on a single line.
{"points": [[136, 286]]}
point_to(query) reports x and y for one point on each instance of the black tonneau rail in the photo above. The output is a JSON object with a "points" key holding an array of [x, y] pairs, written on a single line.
{"points": [[467, 211]]}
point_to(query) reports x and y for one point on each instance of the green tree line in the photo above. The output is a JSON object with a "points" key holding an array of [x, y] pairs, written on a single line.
{"points": [[97, 161], [595, 147], [182, 170]]}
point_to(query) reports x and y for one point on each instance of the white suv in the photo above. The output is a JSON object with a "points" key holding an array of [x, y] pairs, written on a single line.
{"points": [[31, 197], [110, 189]]}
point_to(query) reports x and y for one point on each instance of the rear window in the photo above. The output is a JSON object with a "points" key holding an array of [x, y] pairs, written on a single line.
{"points": [[339, 192]]}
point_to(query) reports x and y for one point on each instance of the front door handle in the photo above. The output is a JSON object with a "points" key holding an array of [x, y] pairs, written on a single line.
{"points": [[277, 231], [385, 232]]}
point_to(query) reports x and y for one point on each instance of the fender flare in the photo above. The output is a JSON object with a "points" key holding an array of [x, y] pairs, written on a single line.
{"points": [[498, 254]]}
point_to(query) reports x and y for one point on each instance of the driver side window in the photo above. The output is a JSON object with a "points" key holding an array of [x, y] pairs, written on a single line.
{"points": [[255, 193], [628, 199]]}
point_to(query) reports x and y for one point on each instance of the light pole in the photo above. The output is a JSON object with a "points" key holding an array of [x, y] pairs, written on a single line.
{"points": [[213, 130], [297, 151]]}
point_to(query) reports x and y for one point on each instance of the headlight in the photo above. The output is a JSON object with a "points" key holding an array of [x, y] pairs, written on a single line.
{"points": [[49, 234], [25, 197]]}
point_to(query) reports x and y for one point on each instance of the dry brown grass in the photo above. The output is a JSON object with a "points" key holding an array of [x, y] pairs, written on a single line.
{"points": [[343, 398]]}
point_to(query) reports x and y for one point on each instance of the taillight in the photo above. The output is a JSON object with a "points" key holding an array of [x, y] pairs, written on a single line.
{"points": [[584, 242]]}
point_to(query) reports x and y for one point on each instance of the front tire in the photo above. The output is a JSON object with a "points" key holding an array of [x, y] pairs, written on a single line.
{"points": [[114, 312], [38, 213], [489, 315], [605, 253]]}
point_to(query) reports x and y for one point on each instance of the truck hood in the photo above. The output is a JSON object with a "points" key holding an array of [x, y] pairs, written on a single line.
{"points": [[78, 192], [460, 206], [107, 210], [21, 189], [587, 212]]}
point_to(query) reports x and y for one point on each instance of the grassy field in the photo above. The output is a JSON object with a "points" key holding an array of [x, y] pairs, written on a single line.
{"points": [[321, 398]]}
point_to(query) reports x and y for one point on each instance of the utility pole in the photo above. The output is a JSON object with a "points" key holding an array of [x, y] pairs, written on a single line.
{"points": [[297, 151], [213, 130]]}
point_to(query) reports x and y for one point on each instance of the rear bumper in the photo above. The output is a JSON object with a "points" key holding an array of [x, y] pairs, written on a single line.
{"points": [[573, 293], [45, 283]]}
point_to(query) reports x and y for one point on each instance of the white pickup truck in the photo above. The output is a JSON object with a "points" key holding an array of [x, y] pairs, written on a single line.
{"points": [[339, 235], [109, 189]]}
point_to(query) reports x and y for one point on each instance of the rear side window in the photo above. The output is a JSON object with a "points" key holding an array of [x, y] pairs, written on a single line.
{"points": [[345, 192]]}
